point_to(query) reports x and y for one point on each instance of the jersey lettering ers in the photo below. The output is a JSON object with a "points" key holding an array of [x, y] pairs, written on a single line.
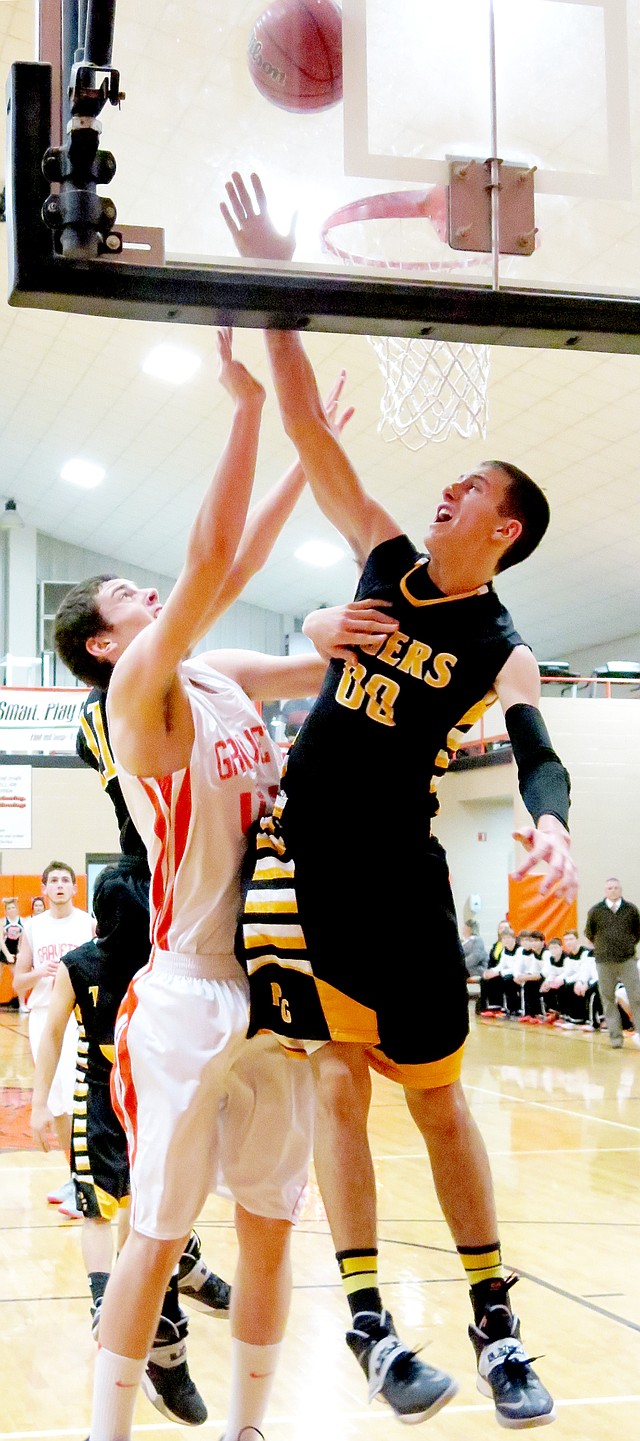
{"points": [[383, 730]]}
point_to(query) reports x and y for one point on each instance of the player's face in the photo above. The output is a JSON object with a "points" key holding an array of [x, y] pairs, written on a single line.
{"points": [[469, 514], [570, 944], [59, 887], [11, 911], [38, 906], [127, 609]]}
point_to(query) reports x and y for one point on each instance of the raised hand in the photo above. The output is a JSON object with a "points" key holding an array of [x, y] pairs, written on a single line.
{"points": [[337, 422], [233, 375], [253, 231]]}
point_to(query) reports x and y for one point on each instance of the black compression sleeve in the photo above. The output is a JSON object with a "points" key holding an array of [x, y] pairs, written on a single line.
{"points": [[544, 783]]}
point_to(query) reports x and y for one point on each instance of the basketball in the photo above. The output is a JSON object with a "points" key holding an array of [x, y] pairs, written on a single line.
{"points": [[295, 54]]}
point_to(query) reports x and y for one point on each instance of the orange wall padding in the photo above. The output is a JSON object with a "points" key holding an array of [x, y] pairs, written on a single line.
{"points": [[529, 911], [26, 887]]}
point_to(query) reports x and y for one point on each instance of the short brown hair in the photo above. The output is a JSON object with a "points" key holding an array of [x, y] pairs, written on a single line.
{"points": [[57, 866], [77, 620], [523, 500]]}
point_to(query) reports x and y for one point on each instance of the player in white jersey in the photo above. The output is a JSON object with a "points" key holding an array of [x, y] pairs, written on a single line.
{"points": [[45, 940], [199, 1101]]}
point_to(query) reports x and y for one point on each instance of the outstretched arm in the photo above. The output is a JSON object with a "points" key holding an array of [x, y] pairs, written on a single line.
{"points": [[149, 715], [336, 486], [543, 780], [266, 519], [332, 630]]}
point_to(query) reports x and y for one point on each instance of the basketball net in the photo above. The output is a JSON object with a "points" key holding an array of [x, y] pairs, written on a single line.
{"points": [[431, 387]]}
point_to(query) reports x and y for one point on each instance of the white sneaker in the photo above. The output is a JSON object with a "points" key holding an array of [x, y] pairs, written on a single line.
{"points": [[55, 1198], [635, 1039], [69, 1206]]}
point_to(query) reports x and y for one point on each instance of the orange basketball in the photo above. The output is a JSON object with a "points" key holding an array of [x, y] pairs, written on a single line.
{"points": [[295, 54]]}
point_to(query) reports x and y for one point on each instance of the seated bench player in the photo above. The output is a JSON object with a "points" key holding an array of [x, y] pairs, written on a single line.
{"points": [[551, 966], [492, 983]]}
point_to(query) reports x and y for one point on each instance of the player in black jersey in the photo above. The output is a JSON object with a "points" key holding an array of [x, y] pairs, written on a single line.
{"points": [[93, 747], [349, 929]]}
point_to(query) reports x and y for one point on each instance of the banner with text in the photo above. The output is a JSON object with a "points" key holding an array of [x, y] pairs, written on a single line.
{"points": [[15, 808], [38, 721]]}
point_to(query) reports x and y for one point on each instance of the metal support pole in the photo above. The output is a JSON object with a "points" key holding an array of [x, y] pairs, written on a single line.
{"points": [[98, 44], [69, 46], [82, 28], [495, 163]]}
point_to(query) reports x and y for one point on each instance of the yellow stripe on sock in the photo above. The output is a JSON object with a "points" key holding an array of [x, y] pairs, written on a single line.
{"points": [[358, 1265], [482, 1266]]}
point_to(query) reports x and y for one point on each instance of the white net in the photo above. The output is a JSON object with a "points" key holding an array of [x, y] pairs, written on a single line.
{"points": [[431, 388]]}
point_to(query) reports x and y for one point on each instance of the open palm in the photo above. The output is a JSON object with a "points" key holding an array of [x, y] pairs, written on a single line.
{"points": [[254, 234]]}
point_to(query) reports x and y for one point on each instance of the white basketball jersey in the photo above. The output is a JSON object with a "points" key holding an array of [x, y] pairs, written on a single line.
{"points": [[194, 822], [51, 937]]}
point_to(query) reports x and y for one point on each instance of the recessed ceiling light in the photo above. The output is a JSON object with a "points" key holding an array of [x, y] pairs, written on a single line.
{"points": [[319, 552], [83, 472], [172, 363]]}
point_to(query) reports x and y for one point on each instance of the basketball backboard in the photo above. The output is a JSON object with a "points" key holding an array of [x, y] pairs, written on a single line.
{"points": [[432, 95]]}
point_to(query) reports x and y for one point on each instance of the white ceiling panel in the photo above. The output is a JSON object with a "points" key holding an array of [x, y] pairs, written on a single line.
{"points": [[74, 385]]}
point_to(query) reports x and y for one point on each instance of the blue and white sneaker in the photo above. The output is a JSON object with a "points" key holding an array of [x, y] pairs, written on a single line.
{"points": [[413, 1390], [504, 1369]]}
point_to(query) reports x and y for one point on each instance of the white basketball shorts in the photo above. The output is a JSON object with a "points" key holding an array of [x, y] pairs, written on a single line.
{"points": [[60, 1100], [203, 1108]]}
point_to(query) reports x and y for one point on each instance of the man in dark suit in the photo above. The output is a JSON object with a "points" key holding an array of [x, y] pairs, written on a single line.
{"points": [[613, 927]]}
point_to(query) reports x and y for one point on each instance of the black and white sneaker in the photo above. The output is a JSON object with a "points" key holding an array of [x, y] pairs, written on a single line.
{"points": [[413, 1390], [504, 1368], [96, 1308], [199, 1286], [167, 1384]]}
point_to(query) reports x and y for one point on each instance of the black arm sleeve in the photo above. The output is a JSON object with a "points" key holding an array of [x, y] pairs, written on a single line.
{"points": [[544, 783]]}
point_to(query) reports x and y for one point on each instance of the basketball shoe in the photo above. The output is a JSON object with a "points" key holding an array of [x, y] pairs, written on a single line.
{"points": [[413, 1391], [96, 1307], [166, 1381], [69, 1205], [55, 1198], [198, 1285], [504, 1369]]}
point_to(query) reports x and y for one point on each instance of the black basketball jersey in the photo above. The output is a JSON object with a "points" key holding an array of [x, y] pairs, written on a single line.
{"points": [[101, 970], [94, 748], [381, 733]]}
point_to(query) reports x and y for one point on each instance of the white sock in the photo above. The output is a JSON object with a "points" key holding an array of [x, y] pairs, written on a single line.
{"points": [[252, 1371], [115, 1387]]}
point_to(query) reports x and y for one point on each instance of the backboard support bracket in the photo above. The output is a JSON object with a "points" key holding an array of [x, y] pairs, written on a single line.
{"points": [[469, 218]]}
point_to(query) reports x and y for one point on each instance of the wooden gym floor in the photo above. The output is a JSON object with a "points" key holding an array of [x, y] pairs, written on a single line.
{"points": [[561, 1117]]}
